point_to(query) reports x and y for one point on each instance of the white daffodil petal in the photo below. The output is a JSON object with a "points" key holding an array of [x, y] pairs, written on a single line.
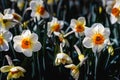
{"points": [[97, 27], [17, 38], [8, 36], [88, 32], [37, 46], [82, 20], [17, 47], [5, 46], [87, 42], [34, 37], [73, 23], [26, 33], [107, 32], [27, 52], [45, 15], [113, 19], [20, 68], [32, 13], [33, 5]]}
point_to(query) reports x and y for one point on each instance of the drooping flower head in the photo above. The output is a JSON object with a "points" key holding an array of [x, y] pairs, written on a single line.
{"points": [[38, 9], [78, 26], [62, 58], [5, 37], [96, 37], [27, 43], [54, 26], [13, 71], [74, 71]]}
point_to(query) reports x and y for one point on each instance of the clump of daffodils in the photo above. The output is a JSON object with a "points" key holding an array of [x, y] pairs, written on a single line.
{"points": [[27, 43], [96, 37]]}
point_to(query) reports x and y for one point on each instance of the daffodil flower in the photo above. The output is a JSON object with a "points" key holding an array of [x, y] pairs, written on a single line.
{"points": [[54, 26], [6, 21], [74, 71], [27, 43], [113, 8], [96, 37], [38, 9], [62, 58], [78, 26], [10, 13], [5, 37], [13, 71]]}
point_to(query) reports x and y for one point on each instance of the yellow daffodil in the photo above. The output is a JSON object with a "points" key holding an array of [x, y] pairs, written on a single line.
{"points": [[96, 37], [74, 71], [78, 26], [13, 71], [27, 43], [38, 9], [62, 58], [5, 37], [54, 26]]}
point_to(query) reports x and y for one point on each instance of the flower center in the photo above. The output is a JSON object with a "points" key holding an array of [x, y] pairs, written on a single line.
{"points": [[1, 40], [26, 43], [98, 39], [14, 70], [79, 27], [40, 10], [56, 27], [115, 12]]}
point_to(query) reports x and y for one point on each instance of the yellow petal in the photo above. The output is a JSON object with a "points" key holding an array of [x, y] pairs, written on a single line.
{"points": [[9, 76], [5, 68]]}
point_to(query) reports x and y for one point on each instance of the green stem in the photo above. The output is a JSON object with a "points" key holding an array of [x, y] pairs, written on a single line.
{"points": [[13, 50], [38, 63], [96, 61]]}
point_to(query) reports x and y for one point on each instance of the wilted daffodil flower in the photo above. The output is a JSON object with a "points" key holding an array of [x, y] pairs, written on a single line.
{"points": [[54, 26], [38, 9], [6, 21], [13, 71], [62, 58], [5, 37], [11, 13], [74, 71], [78, 26], [27, 43], [96, 37]]}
